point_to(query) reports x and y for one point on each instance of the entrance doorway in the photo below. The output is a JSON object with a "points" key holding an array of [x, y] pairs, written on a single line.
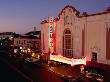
{"points": [[94, 56]]}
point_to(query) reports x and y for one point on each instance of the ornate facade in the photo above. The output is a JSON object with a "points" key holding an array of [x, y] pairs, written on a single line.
{"points": [[78, 35]]}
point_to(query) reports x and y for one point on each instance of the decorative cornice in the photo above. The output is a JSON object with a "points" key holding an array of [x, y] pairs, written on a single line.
{"points": [[69, 6], [101, 13], [78, 13], [108, 9]]}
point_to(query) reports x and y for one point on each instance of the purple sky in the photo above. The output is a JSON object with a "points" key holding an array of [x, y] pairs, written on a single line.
{"points": [[21, 16]]}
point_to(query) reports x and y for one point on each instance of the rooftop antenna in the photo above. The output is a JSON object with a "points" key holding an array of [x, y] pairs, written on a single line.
{"points": [[34, 30]]}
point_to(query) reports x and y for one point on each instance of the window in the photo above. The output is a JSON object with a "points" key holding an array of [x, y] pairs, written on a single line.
{"points": [[67, 43]]}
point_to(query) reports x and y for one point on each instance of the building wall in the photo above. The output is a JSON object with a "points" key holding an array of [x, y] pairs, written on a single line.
{"points": [[44, 38], [108, 42], [96, 32], [88, 34], [26, 43], [96, 37]]}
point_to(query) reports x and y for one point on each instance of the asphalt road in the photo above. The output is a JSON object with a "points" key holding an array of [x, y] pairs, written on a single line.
{"points": [[13, 71], [36, 72], [8, 74], [41, 74]]}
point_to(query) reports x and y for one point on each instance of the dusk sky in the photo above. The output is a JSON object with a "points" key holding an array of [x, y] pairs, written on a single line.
{"points": [[21, 16]]}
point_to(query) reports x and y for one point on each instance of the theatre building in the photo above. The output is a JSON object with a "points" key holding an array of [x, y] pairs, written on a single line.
{"points": [[75, 35]]}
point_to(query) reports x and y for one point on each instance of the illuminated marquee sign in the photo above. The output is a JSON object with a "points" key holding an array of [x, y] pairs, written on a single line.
{"points": [[51, 36], [70, 61]]}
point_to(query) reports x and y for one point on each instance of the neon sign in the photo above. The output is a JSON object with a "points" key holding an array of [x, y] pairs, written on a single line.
{"points": [[51, 36]]}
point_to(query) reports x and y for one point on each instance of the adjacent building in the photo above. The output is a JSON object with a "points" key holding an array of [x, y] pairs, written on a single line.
{"points": [[9, 35], [29, 40]]}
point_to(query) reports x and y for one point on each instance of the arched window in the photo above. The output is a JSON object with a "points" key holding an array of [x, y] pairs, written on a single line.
{"points": [[67, 43]]}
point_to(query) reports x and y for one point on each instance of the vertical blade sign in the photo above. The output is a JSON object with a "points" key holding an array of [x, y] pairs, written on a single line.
{"points": [[51, 34]]}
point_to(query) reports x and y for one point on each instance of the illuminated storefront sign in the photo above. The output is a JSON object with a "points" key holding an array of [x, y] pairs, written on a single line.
{"points": [[70, 61], [51, 36]]}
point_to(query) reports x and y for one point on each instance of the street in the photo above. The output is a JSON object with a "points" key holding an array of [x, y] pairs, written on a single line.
{"points": [[8, 74], [15, 69], [29, 72]]}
